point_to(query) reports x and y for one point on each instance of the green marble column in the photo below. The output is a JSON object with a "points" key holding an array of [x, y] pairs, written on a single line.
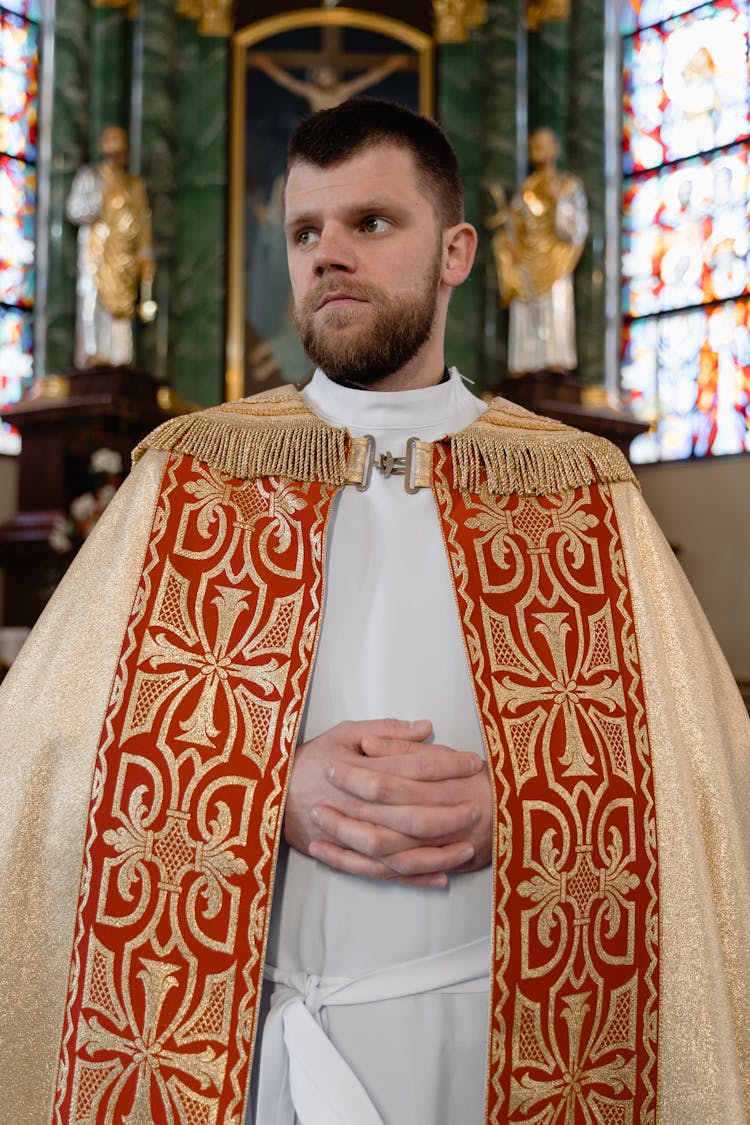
{"points": [[586, 157], [110, 35], [549, 80], [197, 311], [503, 91], [153, 125], [503, 138], [460, 114], [70, 149]]}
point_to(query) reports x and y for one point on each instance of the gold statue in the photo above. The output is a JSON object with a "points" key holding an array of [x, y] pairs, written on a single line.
{"points": [[115, 256], [537, 242], [326, 90]]}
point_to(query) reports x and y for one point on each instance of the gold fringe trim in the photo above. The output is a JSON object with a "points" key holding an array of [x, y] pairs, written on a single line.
{"points": [[516, 465], [511, 450], [508, 450], [301, 451], [271, 434]]}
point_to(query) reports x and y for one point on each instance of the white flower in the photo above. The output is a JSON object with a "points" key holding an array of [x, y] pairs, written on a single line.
{"points": [[106, 461], [83, 507], [58, 537]]}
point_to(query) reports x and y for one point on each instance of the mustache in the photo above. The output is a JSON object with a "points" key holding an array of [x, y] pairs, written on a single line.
{"points": [[357, 290]]}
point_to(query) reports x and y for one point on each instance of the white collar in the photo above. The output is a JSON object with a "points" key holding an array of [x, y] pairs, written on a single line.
{"points": [[420, 409]]}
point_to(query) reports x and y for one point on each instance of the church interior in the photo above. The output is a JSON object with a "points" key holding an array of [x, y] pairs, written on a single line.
{"points": [[185, 105]]}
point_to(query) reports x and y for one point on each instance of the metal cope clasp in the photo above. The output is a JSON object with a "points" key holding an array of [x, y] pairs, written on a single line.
{"points": [[389, 465]]}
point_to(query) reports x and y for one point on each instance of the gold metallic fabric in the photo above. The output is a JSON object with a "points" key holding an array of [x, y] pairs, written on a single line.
{"points": [[52, 706], [700, 746]]}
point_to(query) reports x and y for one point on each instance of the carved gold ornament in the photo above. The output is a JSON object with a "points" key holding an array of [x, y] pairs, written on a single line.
{"points": [[214, 16], [455, 19], [546, 11]]}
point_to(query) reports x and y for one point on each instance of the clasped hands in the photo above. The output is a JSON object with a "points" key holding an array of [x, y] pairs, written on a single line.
{"points": [[371, 798]]}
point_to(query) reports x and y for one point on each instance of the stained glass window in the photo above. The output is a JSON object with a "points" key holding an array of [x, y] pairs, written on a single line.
{"points": [[19, 54], [30, 8], [685, 234], [686, 226]]}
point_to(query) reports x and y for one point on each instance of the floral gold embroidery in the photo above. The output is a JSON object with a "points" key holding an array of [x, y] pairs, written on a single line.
{"points": [[184, 820], [549, 634]]}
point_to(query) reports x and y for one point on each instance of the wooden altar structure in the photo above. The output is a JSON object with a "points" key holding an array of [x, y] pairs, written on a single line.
{"points": [[63, 420]]}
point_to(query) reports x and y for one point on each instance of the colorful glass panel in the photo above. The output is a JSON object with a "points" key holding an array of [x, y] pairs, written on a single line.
{"points": [[18, 115], [635, 14], [18, 86], [17, 212], [688, 374], [685, 86], [19, 42], [686, 234], [32, 9], [19, 48], [16, 352]]}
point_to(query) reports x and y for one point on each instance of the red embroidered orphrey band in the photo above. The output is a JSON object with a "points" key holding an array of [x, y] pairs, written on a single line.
{"points": [[545, 609], [181, 843], [180, 852]]}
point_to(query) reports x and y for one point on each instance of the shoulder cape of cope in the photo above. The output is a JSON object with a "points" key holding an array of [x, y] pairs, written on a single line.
{"points": [[275, 433]]}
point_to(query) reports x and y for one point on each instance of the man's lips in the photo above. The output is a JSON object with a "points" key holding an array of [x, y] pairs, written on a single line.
{"points": [[338, 299]]}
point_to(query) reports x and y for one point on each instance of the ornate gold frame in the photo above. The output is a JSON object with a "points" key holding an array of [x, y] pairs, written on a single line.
{"points": [[420, 42]]}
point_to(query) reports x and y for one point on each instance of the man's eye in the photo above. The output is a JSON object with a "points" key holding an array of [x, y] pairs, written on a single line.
{"points": [[373, 225], [306, 237]]}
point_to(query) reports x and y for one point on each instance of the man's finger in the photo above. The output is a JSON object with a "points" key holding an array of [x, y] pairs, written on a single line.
{"points": [[407, 779], [404, 854], [363, 836], [352, 863], [404, 866], [451, 857], [386, 730], [378, 744], [382, 829]]}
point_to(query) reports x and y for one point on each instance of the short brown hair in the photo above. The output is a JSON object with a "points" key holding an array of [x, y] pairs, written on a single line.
{"points": [[331, 136]]}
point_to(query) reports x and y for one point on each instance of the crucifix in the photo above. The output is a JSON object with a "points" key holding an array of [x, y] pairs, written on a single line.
{"points": [[327, 86]]}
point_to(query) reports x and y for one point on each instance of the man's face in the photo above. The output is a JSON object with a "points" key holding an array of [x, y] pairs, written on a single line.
{"points": [[365, 257]]}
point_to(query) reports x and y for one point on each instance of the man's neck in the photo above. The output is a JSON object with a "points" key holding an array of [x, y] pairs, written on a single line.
{"points": [[376, 386]]}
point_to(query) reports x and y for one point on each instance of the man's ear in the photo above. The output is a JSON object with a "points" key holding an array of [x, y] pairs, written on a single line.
{"points": [[459, 248]]}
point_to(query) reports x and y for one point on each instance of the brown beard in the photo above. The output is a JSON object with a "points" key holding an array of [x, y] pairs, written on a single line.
{"points": [[364, 353]]}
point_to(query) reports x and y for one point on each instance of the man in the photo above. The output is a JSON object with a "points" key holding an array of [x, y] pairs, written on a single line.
{"points": [[115, 256], [514, 880]]}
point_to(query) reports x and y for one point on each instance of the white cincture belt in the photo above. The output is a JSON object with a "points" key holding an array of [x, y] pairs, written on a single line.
{"points": [[300, 1069]]}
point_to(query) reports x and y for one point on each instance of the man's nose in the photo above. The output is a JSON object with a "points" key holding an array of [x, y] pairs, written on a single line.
{"points": [[334, 251]]}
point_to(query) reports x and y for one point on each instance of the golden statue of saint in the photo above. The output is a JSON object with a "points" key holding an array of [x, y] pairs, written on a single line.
{"points": [[537, 242], [115, 256]]}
